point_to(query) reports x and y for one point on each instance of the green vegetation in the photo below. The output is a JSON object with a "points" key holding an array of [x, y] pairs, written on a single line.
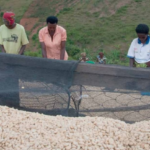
{"points": [[138, 0], [19, 7], [33, 54], [122, 9], [92, 25]]}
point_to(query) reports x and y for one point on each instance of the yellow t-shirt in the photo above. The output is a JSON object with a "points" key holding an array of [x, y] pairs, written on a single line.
{"points": [[13, 39]]}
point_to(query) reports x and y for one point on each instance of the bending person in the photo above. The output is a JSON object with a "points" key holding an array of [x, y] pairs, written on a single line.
{"points": [[53, 40], [139, 51], [13, 40]]}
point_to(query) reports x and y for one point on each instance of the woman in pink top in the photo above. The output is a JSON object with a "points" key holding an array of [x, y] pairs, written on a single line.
{"points": [[53, 40]]}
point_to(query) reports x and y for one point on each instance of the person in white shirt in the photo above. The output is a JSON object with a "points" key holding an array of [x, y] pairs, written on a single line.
{"points": [[139, 51]]}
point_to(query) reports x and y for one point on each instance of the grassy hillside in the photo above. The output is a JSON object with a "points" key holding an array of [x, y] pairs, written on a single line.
{"points": [[92, 25], [17, 6]]}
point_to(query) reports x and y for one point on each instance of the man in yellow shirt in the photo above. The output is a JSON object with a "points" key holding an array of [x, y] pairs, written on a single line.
{"points": [[13, 38]]}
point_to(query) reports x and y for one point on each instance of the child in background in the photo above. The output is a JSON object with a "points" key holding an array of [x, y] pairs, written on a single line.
{"points": [[83, 57], [101, 58]]}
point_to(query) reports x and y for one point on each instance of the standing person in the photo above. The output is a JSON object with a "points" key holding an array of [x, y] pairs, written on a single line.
{"points": [[139, 51], [53, 40], [101, 58], [13, 38]]}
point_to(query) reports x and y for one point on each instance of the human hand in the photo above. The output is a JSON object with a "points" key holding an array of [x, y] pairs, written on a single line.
{"points": [[148, 64]]}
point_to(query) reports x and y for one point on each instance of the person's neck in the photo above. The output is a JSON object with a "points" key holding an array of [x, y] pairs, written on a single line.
{"points": [[11, 27]]}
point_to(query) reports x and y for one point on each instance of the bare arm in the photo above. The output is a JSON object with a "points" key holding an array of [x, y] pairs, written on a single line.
{"points": [[132, 62], [63, 48], [21, 52], [43, 50], [2, 48]]}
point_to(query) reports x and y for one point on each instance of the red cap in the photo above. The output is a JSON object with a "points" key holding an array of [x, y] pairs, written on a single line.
{"points": [[9, 16]]}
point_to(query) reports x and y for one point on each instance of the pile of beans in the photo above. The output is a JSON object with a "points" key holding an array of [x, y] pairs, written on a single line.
{"points": [[20, 130]]}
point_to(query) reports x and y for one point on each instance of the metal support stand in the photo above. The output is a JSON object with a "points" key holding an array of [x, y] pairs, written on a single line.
{"points": [[77, 102]]}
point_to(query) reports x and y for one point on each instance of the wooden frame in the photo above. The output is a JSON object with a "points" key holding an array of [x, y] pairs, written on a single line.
{"points": [[112, 76]]}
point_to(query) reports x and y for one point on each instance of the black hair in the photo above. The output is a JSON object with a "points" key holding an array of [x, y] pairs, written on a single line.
{"points": [[142, 28], [52, 20]]}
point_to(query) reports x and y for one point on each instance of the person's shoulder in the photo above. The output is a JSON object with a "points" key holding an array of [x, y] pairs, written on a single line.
{"points": [[60, 28], [19, 26], [135, 40], [43, 29], [2, 27]]}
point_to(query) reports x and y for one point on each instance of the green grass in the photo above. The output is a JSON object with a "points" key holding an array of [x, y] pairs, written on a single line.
{"points": [[94, 33], [92, 27], [138, 0], [19, 7]]}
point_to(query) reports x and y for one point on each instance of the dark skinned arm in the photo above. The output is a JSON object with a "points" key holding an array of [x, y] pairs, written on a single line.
{"points": [[2, 48], [132, 62], [63, 48], [43, 50], [21, 52]]}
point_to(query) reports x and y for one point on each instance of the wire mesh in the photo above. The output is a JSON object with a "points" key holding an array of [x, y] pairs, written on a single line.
{"points": [[125, 105]]}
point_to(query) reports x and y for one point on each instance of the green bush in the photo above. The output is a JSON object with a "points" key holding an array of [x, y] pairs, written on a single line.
{"points": [[1, 14], [35, 37], [64, 11], [123, 9], [33, 54], [73, 51]]}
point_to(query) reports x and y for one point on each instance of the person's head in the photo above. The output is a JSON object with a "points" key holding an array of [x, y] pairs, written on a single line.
{"points": [[83, 55], [101, 54], [52, 23], [142, 31], [9, 19]]}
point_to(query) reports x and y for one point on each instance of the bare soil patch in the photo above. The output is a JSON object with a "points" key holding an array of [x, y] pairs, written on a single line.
{"points": [[29, 23]]}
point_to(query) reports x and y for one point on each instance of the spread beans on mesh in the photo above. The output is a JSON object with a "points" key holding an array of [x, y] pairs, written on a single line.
{"points": [[20, 130]]}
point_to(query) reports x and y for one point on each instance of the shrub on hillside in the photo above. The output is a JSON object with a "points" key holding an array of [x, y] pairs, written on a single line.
{"points": [[33, 54], [35, 37], [1, 14]]}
